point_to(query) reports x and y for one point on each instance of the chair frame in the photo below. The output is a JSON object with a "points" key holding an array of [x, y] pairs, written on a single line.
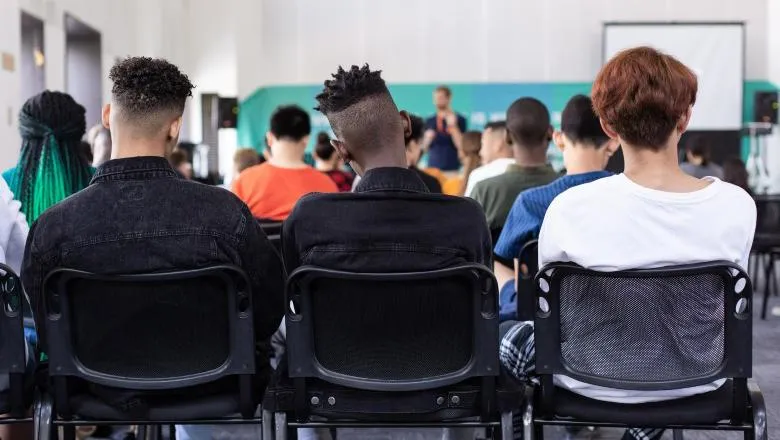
{"points": [[737, 363], [525, 282], [303, 364], [63, 362], [12, 350]]}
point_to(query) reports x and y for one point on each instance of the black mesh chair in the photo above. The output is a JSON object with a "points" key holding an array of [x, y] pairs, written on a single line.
{"points": [[150, 349], [647, 330], [766, 245], [17, 398], [528, 259], [391, 350]]}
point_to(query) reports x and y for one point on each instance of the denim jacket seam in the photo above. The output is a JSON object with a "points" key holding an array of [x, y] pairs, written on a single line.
{"points": [[144, 235]]}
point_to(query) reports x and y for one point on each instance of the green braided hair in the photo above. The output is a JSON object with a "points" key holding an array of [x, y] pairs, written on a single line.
{"points": [[50, 167]]}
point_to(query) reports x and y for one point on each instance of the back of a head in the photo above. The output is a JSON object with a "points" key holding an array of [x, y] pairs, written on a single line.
{"points": [[245, 158], [361, 111], [528, 123], [290, 123], [416, 129], [148, 97], [471, 143], [581, 124], [699, 147], [323, 149], [642, 94], [735, 172], [51, 165]]}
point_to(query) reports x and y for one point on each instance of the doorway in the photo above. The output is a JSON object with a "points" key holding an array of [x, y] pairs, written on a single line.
{"points": [[83, 67]]}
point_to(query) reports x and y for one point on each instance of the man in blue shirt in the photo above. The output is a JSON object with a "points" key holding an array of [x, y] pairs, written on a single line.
{"points": [[443, 132], [586, 150]]}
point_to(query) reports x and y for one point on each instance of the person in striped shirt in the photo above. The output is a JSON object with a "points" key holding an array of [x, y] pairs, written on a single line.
{"points": [[586, 150]]}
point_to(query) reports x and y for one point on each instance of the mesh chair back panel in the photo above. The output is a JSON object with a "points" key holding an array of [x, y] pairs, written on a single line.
{"points": [[392, 331], [642, 329], [150, 330]]}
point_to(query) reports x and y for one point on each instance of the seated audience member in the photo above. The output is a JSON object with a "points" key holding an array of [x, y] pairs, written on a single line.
{"points": [[13, 236], [414, 151], [51, 165], [698, 162], [180, 163], [327, 161], [496, 155], [528, 132], [735, 172], [586, 150], [137, 216], [245, 158], [468, 154], [652, 215], [391, 223], [100, 145], [272, 189]]}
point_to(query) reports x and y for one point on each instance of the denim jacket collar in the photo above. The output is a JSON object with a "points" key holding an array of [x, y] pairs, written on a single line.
{"points": [[391, 179], [134, 168]]}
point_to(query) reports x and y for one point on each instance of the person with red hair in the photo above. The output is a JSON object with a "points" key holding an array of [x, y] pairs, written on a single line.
{"points": [[652, 215]]}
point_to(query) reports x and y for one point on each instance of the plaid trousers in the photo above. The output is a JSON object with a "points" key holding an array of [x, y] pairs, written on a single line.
{"points": [[518, 355]]}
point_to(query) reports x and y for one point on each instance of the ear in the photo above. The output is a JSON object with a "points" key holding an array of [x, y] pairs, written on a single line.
{"points": [[685, 119], [611, 147], [270, 139], [407, 124], [550, 131], [558, 140], [341, 150], [106, 116], [508, 138], [175, 129], [608, 130]]}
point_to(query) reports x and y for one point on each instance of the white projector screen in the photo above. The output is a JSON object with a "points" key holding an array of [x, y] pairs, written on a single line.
{"points": [[714, 51]]}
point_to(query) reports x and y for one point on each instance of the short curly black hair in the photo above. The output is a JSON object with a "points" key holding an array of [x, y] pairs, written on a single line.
{"points": [[145, 86], [349, 87]]}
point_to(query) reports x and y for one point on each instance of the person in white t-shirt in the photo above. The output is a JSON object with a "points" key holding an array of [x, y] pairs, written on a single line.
{"points": [[496, 154], [652, 215]]}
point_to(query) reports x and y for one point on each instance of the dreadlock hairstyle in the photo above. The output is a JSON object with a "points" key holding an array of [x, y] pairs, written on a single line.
{"points": [[51, 166], [350, 87]]}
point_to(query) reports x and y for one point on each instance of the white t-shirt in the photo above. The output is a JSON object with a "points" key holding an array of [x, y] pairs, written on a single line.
{"points": [[493, 169], [13, 229], [615, 224]]}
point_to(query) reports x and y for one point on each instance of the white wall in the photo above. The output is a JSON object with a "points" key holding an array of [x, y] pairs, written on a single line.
{"points": [[84, 76], [302, 41]]}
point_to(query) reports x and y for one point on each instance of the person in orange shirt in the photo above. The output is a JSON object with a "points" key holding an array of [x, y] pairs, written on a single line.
{"points": [[272, 189]]}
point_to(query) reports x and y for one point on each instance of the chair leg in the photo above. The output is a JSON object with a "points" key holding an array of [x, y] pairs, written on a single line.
{"points": [[171, 432], [334, 433], [268, 425], [767, 284], [142, 433], [42, 416], [758, 413], [69, 432], [507, 425], [677, 434], [281, 426], [528, 421]]}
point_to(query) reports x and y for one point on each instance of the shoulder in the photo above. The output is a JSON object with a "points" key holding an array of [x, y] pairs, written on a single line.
{"points": [[737, 198], [583, 196]]}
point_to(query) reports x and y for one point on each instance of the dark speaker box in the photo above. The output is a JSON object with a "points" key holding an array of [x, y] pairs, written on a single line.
{"points": [[228, 112], [765, 107]]}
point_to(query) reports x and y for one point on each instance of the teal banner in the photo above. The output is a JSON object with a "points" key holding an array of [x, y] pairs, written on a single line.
{"points": [[480, 103]]}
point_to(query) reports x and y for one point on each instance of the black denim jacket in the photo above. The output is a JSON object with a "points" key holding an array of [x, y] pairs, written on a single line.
{"points": [[137, 216], [391, 223]]}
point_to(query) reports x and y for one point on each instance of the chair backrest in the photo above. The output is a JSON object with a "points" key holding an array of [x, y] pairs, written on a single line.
{"points": [[272, 228], [650, 329], [393, 331], [768, 214], [528, 257], [12, 346], [152, 331]]}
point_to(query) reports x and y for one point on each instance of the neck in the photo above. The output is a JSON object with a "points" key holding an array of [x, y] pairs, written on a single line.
{"points": [[584, 159], [286, 154], [123, 148], [535, 156], [321, 165], [653, 169], [386, 157]]}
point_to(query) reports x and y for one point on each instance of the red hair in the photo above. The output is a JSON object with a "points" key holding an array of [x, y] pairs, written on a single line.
{"points": [[641, 94]]}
